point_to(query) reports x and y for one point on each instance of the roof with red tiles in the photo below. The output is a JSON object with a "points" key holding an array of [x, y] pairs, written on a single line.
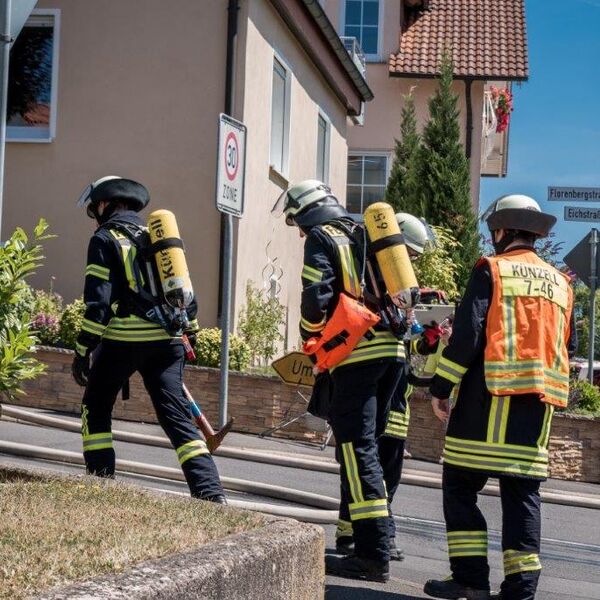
{"points": [[487, 38]]}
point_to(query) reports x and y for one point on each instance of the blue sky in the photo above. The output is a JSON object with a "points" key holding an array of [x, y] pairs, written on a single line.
{"points": [[555, 126]]}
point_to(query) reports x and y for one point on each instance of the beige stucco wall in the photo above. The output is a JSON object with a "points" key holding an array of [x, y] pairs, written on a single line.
{"points": [[257, 229], [382, 115], [139, 94]]}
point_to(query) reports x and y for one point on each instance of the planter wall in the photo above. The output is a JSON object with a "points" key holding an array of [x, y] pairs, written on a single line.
{"points": [[258, 403]]}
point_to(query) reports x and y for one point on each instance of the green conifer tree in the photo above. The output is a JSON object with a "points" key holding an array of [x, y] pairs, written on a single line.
{"points": [[444, 176], [402, 191]]}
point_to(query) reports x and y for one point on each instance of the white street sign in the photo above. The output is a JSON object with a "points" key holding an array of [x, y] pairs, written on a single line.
{"points": [[231, 166], [582, 213], [567, 194]]}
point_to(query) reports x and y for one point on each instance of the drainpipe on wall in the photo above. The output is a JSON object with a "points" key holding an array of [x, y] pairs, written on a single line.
{"points": [[232, 29], [469, 131]]}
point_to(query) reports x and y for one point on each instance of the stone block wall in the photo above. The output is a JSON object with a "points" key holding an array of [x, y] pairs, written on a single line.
{"points": [[256, 402], [259, 402]]}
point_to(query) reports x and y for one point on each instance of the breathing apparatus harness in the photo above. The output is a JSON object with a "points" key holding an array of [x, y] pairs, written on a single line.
{"points": [[150, 305], [378, 301]]}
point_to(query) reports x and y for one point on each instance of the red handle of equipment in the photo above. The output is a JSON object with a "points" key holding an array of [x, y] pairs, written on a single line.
{"points": [[189, 350]]}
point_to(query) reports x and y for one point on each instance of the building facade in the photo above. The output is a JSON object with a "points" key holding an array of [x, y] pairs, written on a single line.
{"points": [[402, 41], [135, 89]]}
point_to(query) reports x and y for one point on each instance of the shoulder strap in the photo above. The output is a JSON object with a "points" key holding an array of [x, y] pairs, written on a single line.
{"points": [[351, 280]]}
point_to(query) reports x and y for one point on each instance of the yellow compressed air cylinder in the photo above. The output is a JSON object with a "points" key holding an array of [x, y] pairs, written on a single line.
{"points": [[392, 256], [170, 260]]}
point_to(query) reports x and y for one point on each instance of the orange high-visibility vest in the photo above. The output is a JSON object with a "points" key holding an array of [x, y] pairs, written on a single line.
{"points": [[528, 327]]}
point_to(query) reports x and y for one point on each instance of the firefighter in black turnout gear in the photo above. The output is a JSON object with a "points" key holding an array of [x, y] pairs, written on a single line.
{"points": [[119, 338], [362, 383], [418, 236], [504, 370]]}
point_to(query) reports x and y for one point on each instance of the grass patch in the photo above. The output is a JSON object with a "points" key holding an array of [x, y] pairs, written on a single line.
{"points": [[54, 531]]}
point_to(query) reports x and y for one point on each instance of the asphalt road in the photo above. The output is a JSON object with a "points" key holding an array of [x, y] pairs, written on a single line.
{"points": [[570, 550]]}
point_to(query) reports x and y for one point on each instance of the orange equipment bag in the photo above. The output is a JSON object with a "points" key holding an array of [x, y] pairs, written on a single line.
{"points": [[348, 324]]}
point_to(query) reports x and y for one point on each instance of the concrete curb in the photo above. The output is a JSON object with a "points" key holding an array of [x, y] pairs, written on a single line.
{"points": [[281, 561]]}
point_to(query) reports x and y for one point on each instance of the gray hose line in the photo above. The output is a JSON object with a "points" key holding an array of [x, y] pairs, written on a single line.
{"points": [[129, 467], [155, 440], [137, 468], [316, 500], [307, 515]]}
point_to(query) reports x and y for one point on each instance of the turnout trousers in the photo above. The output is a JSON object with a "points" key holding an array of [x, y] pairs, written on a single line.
{"points": [[468, 538], [390, 446], [161, 367], [360, 405]]}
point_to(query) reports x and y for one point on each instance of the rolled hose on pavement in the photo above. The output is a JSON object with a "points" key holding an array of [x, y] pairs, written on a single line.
{"points": [[136, 468], [162, 442], [316, 500]]}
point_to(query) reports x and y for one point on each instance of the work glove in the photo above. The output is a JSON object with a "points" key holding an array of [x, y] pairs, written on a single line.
{"points": [[432, 334], [192, 336], [80, 368]]}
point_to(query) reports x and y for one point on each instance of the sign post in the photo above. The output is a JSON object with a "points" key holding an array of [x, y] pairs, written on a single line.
{"points": [[231, 167], [593, 285]]}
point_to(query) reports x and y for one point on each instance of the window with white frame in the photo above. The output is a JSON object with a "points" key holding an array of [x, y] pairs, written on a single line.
{"points": [[280, 116], [367, 178], [33, 80], [323, 144], [362, 20]]}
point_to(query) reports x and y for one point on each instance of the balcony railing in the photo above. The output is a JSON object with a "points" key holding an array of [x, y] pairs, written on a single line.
{"points": [[358, 58], [355, 51], [489, 124]]}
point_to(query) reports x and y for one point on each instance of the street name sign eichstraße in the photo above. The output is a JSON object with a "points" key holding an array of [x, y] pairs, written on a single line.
{"points": [[582, 213], [231, 166]]}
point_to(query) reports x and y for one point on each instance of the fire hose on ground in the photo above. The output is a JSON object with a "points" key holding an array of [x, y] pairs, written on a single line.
{"points": [[326, 504]]}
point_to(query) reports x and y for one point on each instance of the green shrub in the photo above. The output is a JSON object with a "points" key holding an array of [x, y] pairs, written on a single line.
{"points": [[436, 268], [259, 324], [70, 323], [20, 256], [49, 303], [46, 312], [584, 398], [208, 350]]}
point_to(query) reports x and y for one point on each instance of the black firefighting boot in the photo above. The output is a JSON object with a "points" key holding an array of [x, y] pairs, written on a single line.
{"points": [[452, 590], [395, 552], [218, 499], [353, 567], [344, 545]]}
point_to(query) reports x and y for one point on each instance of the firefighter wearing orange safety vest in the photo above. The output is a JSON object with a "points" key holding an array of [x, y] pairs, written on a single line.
{"points": [[505, 370]]}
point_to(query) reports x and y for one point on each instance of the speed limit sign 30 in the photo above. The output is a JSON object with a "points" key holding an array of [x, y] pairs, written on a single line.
{"points": [[231, 166]]}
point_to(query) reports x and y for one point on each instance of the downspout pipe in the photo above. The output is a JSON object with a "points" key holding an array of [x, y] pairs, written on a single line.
{"points": [[233, 9], [469, 131]]}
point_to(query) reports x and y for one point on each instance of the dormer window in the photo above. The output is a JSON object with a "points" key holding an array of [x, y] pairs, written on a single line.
{"points": [[362, 20]]}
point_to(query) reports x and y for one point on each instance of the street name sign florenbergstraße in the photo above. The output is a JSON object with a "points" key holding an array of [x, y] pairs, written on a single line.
{"points": [[295, 368], [231, 166], [579, 259], [569, 194], [582, 213]]}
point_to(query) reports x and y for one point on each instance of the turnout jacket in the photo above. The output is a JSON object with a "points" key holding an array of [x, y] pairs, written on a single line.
{"points": [[110, 283], [501, 435], [333, 263]]}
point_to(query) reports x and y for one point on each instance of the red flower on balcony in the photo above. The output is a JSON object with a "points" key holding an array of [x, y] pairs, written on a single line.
{"points": [[503, 104]]}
